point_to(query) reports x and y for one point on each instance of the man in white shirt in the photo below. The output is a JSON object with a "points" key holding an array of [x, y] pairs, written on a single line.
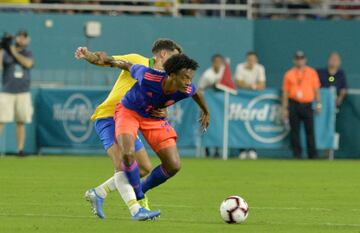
{"points": [[208, 80], [250, 75]]}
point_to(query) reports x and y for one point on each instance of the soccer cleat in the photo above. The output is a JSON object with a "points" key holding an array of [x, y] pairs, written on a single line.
{"points": [[96, 203], [144, 214], [144, 203]]}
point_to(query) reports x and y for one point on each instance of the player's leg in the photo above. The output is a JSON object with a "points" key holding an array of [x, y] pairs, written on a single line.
{"points": [[162, 138], [132, 172], [105, 128], [126, 143], [141, 157], [145, 168], [126, 127], [170, 165]]}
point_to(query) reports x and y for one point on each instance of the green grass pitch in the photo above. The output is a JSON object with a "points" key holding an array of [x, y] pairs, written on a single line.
{"points": [[45, 195]]}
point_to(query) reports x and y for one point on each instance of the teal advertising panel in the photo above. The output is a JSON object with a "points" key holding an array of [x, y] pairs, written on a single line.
{"points": [[255, 120], [64, 117]]}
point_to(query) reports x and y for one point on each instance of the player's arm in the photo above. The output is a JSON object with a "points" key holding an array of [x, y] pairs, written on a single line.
{"points": [[159, 112], [205, 114], [97, 58], [124, 65]]}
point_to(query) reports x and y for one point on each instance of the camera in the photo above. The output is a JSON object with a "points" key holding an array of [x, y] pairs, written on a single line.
{"points": [[5, 41]]}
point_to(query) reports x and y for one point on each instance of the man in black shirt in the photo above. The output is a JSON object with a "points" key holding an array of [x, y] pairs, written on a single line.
{"points": [[333, 76], [15, 97]]}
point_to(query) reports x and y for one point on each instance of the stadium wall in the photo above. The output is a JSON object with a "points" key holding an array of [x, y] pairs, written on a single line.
{"points": [[275, 42], [54, 46]]}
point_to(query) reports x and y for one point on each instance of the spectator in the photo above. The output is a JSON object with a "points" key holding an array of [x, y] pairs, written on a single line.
{"points": [[350, 5], [300, 88], [298, 5], [208, 80], [333, 76], [15, 98], [250, 75]]}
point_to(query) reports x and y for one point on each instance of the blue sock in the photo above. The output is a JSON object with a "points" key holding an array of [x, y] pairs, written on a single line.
{"points": [[133, 174], [158, 176]]}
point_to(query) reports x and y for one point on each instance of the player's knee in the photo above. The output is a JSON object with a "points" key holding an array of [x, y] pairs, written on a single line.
{"points": [[128, 156], [174, 168]]}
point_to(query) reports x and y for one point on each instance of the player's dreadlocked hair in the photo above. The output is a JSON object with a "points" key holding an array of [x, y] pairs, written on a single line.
{"points": [[166, 44], [178, 62]]}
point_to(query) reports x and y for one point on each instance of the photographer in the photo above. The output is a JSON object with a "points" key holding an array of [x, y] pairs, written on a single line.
{"points": [[15, 98]]}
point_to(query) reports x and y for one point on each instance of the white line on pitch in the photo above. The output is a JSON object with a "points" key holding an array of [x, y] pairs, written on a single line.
{"points": [[329, 224], [262, 208], [169, 219], [251, 207], [59, 216]]}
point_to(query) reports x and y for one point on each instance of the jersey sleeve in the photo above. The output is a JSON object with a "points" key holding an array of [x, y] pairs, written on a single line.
{"points": [[132, 58], [137, 72]]}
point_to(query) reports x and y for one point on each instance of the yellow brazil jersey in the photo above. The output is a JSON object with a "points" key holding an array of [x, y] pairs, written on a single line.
{"points": [[122, 85]]}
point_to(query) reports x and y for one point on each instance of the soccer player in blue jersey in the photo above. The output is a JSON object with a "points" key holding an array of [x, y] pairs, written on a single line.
{"points": [[105, 127], [154, 89]]}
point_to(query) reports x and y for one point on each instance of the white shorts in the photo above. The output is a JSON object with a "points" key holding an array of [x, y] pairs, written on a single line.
{"points": [[16, 107]]}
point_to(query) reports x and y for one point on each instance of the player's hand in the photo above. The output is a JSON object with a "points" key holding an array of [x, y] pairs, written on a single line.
{"points": [[159, 113], [204, 121], [81, 52]]}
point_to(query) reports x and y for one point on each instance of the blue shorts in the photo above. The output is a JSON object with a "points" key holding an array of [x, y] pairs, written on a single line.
{"points": [[105, 129]]}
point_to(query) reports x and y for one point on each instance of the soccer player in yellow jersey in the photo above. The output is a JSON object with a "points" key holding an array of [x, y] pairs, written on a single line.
{"points": [[105, 126]]}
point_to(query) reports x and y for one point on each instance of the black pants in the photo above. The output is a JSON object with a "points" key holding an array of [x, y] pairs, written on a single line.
{"points": [[298, 113]]}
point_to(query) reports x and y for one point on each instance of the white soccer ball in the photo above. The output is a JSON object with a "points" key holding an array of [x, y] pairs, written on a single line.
{"points": [[234, 209]]}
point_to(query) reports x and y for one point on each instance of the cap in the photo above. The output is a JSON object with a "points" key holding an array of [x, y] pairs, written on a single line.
{"points": [[299, 54], [22, 33]]}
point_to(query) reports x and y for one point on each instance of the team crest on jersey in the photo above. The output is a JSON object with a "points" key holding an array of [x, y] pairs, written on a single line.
{"points": [[169, 102]]}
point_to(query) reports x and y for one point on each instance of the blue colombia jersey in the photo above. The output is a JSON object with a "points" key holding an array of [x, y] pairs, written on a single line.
{"points": [[148, 92]]}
